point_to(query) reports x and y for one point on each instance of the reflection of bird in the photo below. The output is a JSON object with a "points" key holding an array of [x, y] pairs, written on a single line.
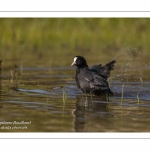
{"points": [[94, 80], [90, 110]]}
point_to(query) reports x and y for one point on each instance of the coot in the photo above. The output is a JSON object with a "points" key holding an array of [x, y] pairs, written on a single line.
{"points": [[92, 80]]}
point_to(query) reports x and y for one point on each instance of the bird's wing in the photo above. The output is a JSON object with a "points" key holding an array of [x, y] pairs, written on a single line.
{"points": [[96, 81], [100, 81], [104, 71]]}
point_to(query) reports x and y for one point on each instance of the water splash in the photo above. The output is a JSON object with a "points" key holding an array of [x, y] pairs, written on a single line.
{"points": [[126, 56]]}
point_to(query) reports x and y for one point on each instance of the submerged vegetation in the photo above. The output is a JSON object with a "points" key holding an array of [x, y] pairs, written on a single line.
{"points": [[26, 39]]}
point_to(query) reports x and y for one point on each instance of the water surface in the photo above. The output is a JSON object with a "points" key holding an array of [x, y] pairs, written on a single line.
{"points": [[46, 99]]}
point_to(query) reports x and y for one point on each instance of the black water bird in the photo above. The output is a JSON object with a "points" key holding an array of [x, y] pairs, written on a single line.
{"points": [[92, 80]]}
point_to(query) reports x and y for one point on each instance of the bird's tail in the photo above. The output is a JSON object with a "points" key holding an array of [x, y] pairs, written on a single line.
{"points": [[105, 70], [110, 65]]}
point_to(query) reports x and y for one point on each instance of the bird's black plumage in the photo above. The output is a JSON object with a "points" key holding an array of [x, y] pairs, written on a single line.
{"points": [[92, 80]]}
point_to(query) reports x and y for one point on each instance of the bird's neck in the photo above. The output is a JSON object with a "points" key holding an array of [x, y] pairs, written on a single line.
{"points": [[84, 67], [81, 68]]}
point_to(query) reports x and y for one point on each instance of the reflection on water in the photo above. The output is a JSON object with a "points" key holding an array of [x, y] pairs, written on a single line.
{"points": [[37, 95], [87, 107]]}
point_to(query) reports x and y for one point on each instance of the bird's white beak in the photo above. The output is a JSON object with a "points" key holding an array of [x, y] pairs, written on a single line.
{"points": [[73, 63]]}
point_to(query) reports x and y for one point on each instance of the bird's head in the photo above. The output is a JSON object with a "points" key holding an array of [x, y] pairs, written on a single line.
{"points": [[79, 61]]}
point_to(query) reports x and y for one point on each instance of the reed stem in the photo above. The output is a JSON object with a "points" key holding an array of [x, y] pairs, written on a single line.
{"points": [[138, 99], [141, 81], [122, 91], [64, 98]]}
